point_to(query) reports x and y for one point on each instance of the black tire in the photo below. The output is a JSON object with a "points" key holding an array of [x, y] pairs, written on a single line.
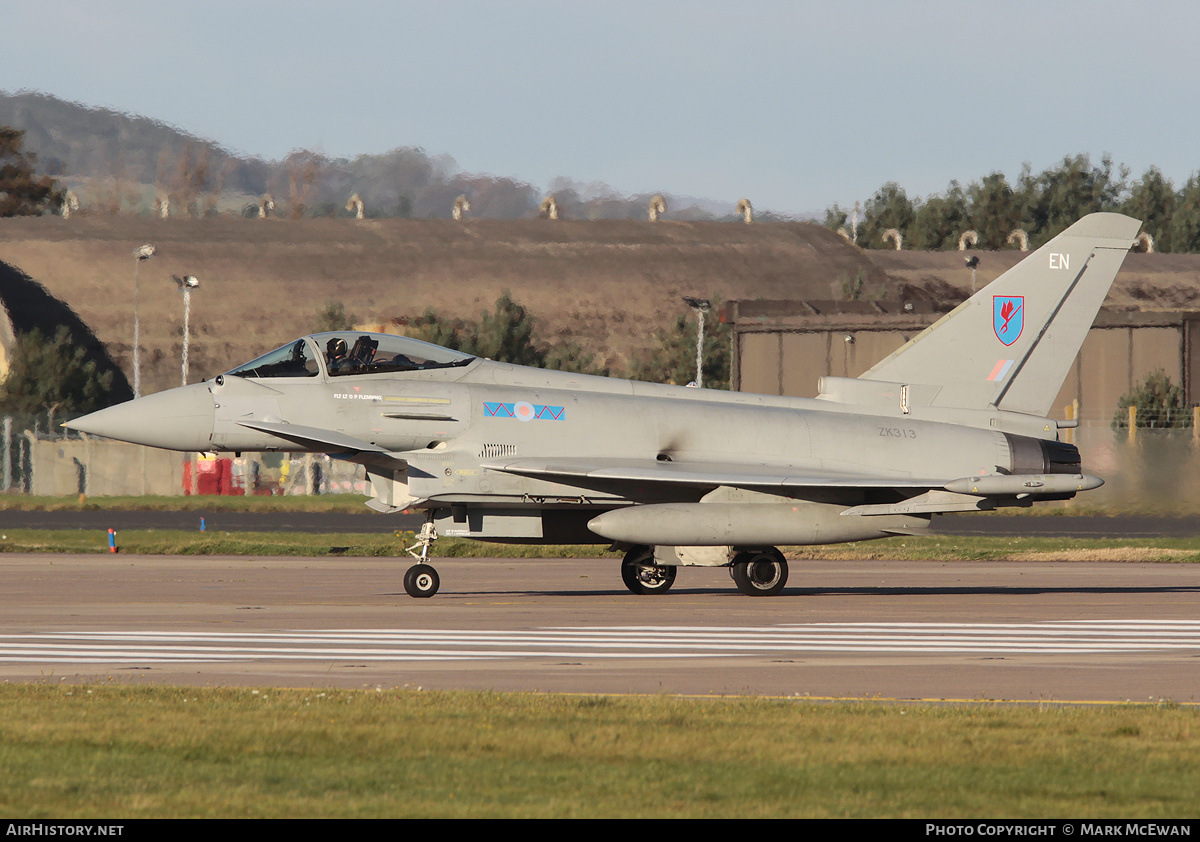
{"points": [[421, 581], [760, 572], [642, 576]]}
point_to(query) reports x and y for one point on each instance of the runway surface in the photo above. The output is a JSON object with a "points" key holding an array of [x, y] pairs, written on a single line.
{"points": [[1028, 631]]}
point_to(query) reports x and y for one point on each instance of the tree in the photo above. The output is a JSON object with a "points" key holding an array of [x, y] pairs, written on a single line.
{"points": [[1060, 197], [55, 377], [1152, 200], [996, 210], [303, 168], [22, 193], [508, 335], [888, 208], [1185, 219], [674, 360], [940, 221], [1159, 404], [334, 317], [836, 218]]}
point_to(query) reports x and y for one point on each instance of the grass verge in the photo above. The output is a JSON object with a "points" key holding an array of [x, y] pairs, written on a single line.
{"points": [[353, 503], [136, 752], [932, 548]]}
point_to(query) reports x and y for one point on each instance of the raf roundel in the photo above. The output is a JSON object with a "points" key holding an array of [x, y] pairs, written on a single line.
{"points": [[524, 411]]}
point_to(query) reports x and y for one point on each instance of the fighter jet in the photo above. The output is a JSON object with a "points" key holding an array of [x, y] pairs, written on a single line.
{"points": [[956, 420]]}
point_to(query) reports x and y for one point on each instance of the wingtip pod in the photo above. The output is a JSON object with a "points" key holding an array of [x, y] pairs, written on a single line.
{"points": [[1034, 485]]}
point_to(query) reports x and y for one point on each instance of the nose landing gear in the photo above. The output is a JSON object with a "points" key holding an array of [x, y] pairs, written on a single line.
{"points": [[421, 580]]}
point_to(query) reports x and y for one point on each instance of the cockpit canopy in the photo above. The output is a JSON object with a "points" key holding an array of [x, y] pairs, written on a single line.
{"points": [[350, 352]]}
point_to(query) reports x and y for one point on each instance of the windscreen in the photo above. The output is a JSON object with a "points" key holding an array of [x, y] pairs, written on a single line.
{"points": [[295, 359]]}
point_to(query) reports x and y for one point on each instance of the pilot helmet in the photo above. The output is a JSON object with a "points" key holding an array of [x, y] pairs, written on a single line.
{"points": [[336, 347]]}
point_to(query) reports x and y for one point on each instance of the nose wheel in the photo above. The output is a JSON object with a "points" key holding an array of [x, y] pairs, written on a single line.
{"points": [[421, 580]]}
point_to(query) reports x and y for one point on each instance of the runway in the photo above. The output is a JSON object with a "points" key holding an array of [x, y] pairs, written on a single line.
{"points": [[1023, 631]]}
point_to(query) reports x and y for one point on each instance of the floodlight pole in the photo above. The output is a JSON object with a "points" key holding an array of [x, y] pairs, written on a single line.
{"points": [[701, 306], [972, 263], [186, 285], [187, 309], [141, 253]]}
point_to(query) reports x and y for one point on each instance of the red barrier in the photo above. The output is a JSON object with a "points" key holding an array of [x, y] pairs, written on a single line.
{"points": [[213, 476]]}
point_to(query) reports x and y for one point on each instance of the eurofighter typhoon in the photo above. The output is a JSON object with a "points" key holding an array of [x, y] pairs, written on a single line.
{"points": [[953, 421]]}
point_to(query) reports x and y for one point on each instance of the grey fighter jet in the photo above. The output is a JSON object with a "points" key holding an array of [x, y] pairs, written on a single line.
{"points": [[953, 421]]}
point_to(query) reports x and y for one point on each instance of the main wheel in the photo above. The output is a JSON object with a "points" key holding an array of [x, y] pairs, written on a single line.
{"points": [[760, 572], [421, 581], [642, 576]]}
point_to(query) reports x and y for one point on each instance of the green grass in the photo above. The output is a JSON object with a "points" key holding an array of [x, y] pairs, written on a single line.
{"points": [[214, 542], [103, 751], [998, 548], [933, 548], [353, 503]]}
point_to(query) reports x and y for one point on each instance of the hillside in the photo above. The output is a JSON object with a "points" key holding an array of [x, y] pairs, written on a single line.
{"points": [[1145, 282], [608, 284], [122, 163]]}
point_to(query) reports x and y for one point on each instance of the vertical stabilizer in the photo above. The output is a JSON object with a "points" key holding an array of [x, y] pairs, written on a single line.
{"points": [[1011, 344]]}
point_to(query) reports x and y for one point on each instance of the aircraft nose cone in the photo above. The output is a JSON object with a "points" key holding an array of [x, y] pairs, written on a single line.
{"points": [[177, 419]]}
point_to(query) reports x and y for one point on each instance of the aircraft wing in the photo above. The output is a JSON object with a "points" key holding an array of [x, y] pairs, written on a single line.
{"points": [[336, 444], [699, 473], [922, 495]]}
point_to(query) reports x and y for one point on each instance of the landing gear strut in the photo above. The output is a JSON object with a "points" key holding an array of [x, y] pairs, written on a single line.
{"points": [[642, 576], [759, 572], [421, 580]]}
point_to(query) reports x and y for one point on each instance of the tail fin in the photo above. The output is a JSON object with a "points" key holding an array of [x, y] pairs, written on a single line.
{"points": [[1011, 344]]}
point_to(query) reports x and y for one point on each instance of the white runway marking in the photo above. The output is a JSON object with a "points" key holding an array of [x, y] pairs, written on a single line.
{"points": [[644, 642]]}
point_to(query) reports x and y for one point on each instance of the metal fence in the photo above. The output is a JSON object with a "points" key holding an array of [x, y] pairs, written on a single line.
{"points": [[1150, 468], [50, 461]]}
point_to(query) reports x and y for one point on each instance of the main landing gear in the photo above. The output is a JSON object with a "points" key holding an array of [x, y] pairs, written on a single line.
{"points": [[421, 580], [761, 572]]}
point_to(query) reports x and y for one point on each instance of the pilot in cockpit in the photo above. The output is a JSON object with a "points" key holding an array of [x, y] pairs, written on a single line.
{"points": [[337, 355]]}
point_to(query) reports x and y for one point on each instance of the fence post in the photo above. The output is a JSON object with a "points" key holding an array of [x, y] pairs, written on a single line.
{"points": [[1132, 424], [27, 443], [7, 452], [310, 485]]}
